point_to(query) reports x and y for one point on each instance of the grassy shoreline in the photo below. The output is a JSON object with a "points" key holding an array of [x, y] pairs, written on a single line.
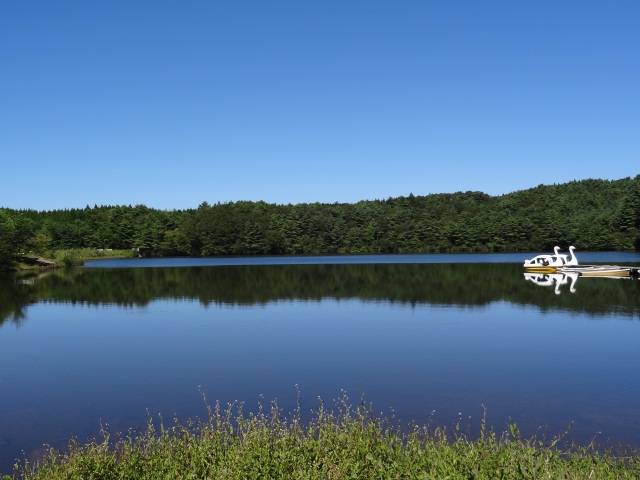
{"points": [[67, 258], [345, 442]]}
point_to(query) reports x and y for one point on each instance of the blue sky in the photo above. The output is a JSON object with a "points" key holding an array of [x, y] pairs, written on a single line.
{"points": [[169, 104]]}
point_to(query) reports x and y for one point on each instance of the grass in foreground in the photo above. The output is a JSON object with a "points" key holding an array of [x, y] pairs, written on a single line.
{"points": [[347, 442]]}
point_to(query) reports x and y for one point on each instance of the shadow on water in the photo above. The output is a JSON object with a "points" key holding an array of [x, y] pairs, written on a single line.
{"points": [[438, 284]]}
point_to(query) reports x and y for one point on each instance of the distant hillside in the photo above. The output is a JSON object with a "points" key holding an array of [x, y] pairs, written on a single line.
{"points": [[590, 214]]}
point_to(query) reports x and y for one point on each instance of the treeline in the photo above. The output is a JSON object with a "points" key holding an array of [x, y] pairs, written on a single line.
{"points": [[591, 214]]}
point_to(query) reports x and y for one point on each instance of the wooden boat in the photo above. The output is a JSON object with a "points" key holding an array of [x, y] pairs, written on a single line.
{"points": [[613, 273], [598, 270]]}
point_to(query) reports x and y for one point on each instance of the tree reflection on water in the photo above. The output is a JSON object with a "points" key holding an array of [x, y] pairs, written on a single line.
{"points": [[441, 284]]}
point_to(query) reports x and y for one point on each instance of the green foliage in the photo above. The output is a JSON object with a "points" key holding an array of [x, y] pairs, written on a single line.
{"points": [[175, 243], [40, 244], [15, 230], [7, 235], [71, 258], [344, 442], [590, 214]]}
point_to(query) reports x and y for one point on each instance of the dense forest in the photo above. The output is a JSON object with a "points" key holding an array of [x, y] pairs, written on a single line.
{"points": [[590, 214]]}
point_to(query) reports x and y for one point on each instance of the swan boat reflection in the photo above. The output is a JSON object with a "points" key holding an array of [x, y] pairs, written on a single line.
{"points": [[556, 280], [559, 279]]}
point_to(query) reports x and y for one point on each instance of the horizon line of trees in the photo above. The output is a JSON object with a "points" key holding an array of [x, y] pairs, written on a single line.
{"points": [[590, 214]]}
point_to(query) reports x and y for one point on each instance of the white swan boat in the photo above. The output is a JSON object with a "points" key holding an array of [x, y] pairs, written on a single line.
{"points": [[568, 264], [550, 263]]}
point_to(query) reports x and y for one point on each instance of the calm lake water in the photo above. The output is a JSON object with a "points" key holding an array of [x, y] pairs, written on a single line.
{"points": [[423, 337]]}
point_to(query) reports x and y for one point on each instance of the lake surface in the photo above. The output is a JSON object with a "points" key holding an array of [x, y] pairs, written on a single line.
{"points": [[425, 338]]}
